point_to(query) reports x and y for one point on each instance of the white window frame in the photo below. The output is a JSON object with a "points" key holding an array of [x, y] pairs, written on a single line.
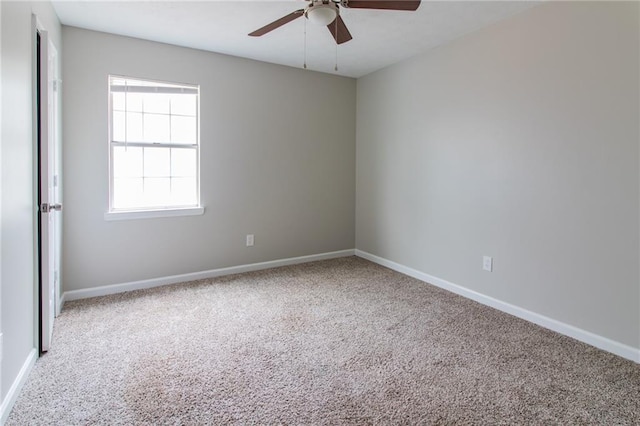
{"points": [[152, 212]]}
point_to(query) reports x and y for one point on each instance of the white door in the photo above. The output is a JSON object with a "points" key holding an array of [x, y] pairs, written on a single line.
{"points": [[49, 187], [55, 152]]}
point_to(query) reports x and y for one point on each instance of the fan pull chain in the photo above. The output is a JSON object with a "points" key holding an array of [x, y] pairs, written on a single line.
{"points": [[305, 42], [336, 67]]}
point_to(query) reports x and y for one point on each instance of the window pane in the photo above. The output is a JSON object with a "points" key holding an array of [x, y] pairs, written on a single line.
{"points": [[156, 128], [156, 162], [183, 191], [157, 191], [134, 127], [153, 175], [183, 104], [156, 103], [117, 101], [183, 129], [127, 193], [134, 101], [118, 131], [183, 162], [127, 162]]}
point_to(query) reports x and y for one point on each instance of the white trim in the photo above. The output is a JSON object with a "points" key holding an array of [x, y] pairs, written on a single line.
{"points": [[592, 339], [18, 383], [154, 89], [1, 345], [61, 301], [150, 214], [174, 279]]}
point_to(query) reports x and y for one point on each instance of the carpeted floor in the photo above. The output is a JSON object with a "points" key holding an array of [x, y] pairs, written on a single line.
{"points": [[335, 342]]}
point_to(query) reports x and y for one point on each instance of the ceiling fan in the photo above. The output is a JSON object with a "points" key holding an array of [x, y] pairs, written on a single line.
{"points": [[327, 12]]}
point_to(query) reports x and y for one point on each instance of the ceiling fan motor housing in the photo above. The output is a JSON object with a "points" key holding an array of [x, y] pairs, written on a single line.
{"points": [[321, 12]]}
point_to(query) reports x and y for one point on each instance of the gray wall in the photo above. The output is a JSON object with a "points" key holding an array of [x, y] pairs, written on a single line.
{"points": [[519, 142], [17, 264], [277, 161]]}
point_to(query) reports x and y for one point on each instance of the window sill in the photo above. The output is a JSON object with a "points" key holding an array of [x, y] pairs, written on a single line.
{"points": [[150, 214]]}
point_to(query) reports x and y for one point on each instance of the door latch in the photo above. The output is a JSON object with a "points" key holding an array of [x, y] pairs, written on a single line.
{"points": [[47, 208]]}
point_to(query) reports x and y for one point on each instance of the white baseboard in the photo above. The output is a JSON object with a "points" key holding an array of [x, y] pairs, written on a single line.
{"points": [[592, 339], [14, 390], [174, 279]]}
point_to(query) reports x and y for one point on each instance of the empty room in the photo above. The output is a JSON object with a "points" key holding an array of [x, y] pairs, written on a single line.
{"points": [[319, 212]]}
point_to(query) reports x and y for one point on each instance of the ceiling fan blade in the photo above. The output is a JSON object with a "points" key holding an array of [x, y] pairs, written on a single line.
{"points": [[383, 4], [342, 35], [277, 23]]}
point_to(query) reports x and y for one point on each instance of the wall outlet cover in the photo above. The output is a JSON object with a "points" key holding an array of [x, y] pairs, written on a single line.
{"points": [[487, 263]]}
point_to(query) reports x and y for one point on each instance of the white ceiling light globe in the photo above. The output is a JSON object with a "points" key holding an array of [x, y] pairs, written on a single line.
{"points": [[322, 14]]}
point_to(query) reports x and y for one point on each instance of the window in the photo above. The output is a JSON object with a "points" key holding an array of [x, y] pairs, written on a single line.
{"points": [[154, 149]]}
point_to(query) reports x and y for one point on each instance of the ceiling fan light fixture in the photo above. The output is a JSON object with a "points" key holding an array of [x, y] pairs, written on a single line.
{"points": [[322, 14]]}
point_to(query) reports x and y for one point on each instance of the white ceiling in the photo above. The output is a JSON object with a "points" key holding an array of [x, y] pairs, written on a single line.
{"points": [[380, 38]]}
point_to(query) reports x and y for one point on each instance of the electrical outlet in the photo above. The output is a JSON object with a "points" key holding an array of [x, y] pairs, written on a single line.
{"points": [[487, 263], [250, 240]]}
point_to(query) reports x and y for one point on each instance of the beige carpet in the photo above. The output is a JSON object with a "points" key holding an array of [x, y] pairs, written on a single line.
{"points": [[336, 342]]}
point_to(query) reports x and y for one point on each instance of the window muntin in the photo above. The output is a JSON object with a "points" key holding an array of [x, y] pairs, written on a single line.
{"points": [[154, 149]]}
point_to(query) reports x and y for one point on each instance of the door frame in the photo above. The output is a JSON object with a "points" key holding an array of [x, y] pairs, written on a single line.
{"points": [[1, 336], [36, 30]]}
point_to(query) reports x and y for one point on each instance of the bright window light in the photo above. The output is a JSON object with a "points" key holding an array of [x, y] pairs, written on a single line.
{"points": [[154, 147]]}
